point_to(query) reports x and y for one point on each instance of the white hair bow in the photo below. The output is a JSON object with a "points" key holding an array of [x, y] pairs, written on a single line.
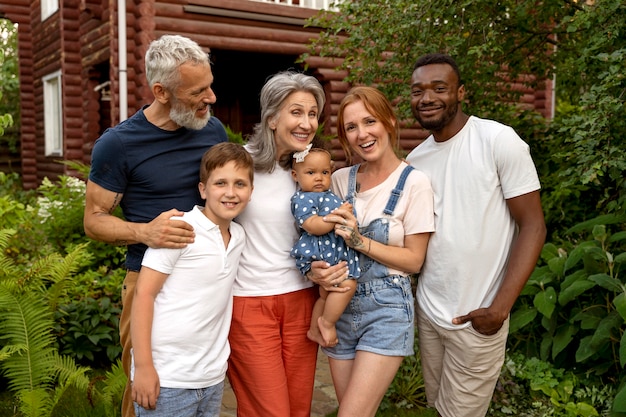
{"points": [[299, 156]]}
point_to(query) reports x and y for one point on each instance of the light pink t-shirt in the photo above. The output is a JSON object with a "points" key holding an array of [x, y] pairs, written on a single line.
{"points": [[413, 214]]}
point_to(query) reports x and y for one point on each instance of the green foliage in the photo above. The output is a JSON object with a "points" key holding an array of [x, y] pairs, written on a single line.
{"points": [[234, 137], [30, 362], [116, 383], [88, 330], [407, 389], [588, 136], [9, 85], [50, 220], [573, 308], [86, 312], [14, 201], [580, 45], [532, 387], [484, 36], [58, 202], [29, 358], [6, 120]]}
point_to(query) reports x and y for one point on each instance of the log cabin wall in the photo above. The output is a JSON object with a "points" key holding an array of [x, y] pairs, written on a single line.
{"points": [[96, 34], [19, 11], [56, 49], [249, 41]]}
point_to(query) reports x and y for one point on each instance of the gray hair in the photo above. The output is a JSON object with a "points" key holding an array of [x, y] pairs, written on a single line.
{"points": [[166, 54], [261, 143]]}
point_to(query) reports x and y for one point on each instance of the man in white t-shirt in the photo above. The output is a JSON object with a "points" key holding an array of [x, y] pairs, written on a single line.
{"points": [[489, 232]]}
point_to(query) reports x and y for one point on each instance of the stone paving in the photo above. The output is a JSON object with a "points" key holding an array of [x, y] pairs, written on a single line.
{"points": [[324, 399]]}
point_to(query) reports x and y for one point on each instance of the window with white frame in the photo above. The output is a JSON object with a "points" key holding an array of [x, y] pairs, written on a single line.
{"points": [[48, 7], [53, 114]]}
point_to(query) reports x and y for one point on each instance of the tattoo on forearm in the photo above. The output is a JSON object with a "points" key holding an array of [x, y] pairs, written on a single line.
{"points": [[120, 243], [116, 202]]}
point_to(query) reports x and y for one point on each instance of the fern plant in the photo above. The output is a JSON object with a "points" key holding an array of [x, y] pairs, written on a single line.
{"points": [[29, 358]]}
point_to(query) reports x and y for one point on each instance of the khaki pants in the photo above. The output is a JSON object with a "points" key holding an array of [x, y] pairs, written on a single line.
{"points": [[128, 292], [460, 367]]}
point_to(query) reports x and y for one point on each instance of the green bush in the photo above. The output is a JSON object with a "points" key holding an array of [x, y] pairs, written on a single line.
{"points": [[50, 222], [573, 308], [530, 387], [407, 388], [88, 330], [34, 370]]}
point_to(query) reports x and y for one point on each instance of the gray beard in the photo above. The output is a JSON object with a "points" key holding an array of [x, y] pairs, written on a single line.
{"points": [[188, 119]]}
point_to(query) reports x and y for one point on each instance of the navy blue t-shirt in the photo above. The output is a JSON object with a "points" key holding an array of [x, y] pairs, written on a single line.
{"points": [[156, 170]]}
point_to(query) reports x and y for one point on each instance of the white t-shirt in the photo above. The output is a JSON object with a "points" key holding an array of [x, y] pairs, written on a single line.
{"points": [[472, 175], [266, 266], [193, 310], [413, 213]]}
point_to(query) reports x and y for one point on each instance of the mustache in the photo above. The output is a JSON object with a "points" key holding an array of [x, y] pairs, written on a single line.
{"points": [[430, 106]]}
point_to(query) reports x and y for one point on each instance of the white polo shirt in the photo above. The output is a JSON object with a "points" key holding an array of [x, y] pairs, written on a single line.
{"points": [[193, 310]]}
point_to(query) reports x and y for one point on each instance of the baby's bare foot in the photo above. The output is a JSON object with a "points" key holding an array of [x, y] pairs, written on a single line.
{"points": [[328, 332], [315, 335]]}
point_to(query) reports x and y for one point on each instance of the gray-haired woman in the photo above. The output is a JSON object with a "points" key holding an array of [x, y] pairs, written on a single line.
{"points": [[272, 362]]}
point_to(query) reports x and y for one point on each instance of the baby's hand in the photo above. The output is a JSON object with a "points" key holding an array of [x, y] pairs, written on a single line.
{"points": [[346, 205]]}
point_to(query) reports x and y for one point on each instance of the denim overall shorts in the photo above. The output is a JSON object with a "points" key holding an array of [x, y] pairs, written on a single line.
{"points": [[380, 316]]}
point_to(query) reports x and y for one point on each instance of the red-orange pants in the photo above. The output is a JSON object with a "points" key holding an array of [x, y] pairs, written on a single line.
{"points": [[272, 362], [128, 292]]}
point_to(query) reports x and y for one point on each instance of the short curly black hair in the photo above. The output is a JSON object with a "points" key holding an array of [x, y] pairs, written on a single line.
{"points": [[438, 58]]}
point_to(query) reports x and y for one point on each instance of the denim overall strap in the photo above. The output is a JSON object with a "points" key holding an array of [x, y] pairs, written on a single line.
{"points": [[397, 192], [352, 185]]}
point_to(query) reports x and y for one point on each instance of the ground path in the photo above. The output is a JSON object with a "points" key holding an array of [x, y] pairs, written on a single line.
{"points": [[324, 399]]}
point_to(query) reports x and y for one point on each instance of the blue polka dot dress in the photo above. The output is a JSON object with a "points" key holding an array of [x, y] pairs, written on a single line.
{"points": [[329, 247]]}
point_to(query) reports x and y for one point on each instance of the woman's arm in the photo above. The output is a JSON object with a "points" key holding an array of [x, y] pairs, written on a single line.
{"points": [[409, 258]]}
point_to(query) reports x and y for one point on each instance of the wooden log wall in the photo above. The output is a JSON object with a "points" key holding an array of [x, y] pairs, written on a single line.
{"points": [[209, 23], [19, 11], [95, 51], [81, 40]]}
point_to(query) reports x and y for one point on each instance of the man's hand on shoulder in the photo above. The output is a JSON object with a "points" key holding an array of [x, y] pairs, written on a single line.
{"points": [[163, 232]]}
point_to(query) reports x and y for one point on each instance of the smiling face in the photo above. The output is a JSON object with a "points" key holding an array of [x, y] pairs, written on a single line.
{"points": [[366, 134], [313, 174], [436, 97], [190, 103], [227, 191], [296, 123]]}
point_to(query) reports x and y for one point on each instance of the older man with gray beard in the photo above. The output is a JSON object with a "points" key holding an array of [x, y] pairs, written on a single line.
{"points": [[148, 165]]}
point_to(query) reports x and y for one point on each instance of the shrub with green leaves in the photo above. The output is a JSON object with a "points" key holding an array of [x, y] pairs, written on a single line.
{"points": [[29, 360], [572, 311], [50, 222], [407, 388], [530, 387], [88, 330]]}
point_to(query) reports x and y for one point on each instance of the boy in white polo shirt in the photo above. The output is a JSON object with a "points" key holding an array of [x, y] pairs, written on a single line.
{"points": [[182, 309]]}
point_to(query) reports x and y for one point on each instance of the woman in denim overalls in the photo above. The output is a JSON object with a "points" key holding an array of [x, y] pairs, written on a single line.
{"points": [[393, 206]]}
